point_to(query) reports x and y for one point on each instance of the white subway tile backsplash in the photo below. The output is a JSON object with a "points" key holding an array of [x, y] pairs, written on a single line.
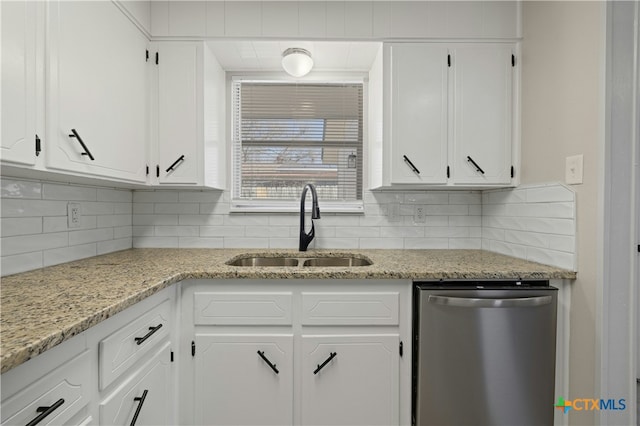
{"points": [[68, 254], [20, 263], [177, 231], [20, 189], [35, 230], [222, 231], [535, 222], [158, 219], [32, 208], [68, 192], [61, 223], [165, 196], [115, 195], [90, 236], [20, 226], [200, 219], [175, 208], [117, 244], [532, 222], [36, 242], [155, 242], [199, 242]]}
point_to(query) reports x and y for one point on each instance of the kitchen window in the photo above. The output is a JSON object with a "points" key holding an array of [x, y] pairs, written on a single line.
{"points": [[287, 134]]}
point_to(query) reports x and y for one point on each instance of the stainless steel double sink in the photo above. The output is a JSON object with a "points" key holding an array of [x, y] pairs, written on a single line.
{"points": [[290, 261]]}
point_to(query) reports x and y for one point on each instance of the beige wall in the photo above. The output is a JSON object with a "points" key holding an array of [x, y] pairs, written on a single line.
{"points": [[562, 115]]}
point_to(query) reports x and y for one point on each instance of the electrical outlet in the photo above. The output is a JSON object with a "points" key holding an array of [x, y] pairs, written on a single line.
{"points": [[418, 214], [73, 215], [574, 170]]}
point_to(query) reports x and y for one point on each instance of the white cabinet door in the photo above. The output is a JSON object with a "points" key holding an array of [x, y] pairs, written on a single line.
{"points": [[482, 119], [179, 113], [244, 379], [418, 85], [19, 102], [147, 396], [97, 86], [359, 385]]}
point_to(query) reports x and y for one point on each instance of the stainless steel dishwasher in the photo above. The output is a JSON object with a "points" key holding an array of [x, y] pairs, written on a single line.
{"points": [[484, 353]]}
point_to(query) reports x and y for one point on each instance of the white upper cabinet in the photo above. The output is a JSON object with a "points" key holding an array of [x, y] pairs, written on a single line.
{"points": [[97, 92], [482, 130], [188, 98], [447, 115], [20, 105], [417, 82]]}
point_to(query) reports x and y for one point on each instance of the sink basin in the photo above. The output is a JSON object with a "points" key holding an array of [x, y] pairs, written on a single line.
{"points": [[336, 261], [328, 261], [264, 261]]}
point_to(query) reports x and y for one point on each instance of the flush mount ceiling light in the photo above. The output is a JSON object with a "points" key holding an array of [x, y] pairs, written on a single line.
{"points": [[296, 61]]}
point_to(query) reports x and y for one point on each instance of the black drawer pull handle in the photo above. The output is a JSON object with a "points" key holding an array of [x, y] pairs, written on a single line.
{"points": [[86, 150], [45, 411], [269, 363], [171, 167], [140, 400], [414, 168], [332, 355], [475, 164], [140, 340]]}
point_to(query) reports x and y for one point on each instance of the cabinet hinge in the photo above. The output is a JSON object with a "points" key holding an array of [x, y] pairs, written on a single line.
{"points": [[193, 348], [401, 349], [513, 172], [448, 172], [146, 56], [157, 170], [157, 58], [449, 60], [171, 356], [513, 60], [38, 146]]}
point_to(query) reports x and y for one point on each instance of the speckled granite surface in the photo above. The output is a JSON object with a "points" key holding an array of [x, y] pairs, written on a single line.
{"points": [[42, 308]]}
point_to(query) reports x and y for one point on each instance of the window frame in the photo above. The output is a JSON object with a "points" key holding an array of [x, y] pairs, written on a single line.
{"points": [[240, 205]]}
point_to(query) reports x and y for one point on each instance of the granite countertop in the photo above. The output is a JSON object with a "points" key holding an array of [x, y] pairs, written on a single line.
{"points": [[42, 308]]}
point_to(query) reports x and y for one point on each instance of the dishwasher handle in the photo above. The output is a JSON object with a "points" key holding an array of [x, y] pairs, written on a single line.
{"points": [[467, 302]]}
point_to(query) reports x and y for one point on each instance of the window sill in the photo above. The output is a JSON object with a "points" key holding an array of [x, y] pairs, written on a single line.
{"points": [[341, 207]]}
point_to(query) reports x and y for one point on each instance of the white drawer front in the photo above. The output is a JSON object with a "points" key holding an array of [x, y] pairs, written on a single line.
{"points": [[154, 407], [340, 308], [123, 348], [68, 383], [246, 308]]}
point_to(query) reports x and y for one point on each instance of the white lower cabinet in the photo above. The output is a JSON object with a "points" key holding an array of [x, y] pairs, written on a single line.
{"points": [[59, 397], [235, 369], [350, 379], [146, 398], [305, 352]]}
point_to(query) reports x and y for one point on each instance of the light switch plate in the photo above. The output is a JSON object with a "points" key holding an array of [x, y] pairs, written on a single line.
{"points": [[574, 170]]}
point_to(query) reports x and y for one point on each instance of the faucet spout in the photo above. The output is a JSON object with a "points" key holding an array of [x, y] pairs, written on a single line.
{"points": [[306, 238]]}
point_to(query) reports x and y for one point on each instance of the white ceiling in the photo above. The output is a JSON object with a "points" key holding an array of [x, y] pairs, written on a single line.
{"points": [[245, 55]]}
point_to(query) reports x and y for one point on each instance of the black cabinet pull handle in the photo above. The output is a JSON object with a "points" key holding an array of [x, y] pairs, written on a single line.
{"points": [[332, 355], [38, 146], [86, 150], [475, 164], [140, 340], [414, 168], [269, 363], [140, 400], [171, 167], [45, 411]]}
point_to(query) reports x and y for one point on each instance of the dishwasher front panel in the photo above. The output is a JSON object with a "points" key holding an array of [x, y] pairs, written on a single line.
{"points": [[484, 356]]}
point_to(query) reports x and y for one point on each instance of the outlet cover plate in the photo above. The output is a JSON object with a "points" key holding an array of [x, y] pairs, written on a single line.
{"points": [[73, 215], [574, 170]]}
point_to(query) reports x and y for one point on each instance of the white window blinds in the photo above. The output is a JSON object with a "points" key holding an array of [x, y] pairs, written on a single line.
{"points": [[286, 135]]}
